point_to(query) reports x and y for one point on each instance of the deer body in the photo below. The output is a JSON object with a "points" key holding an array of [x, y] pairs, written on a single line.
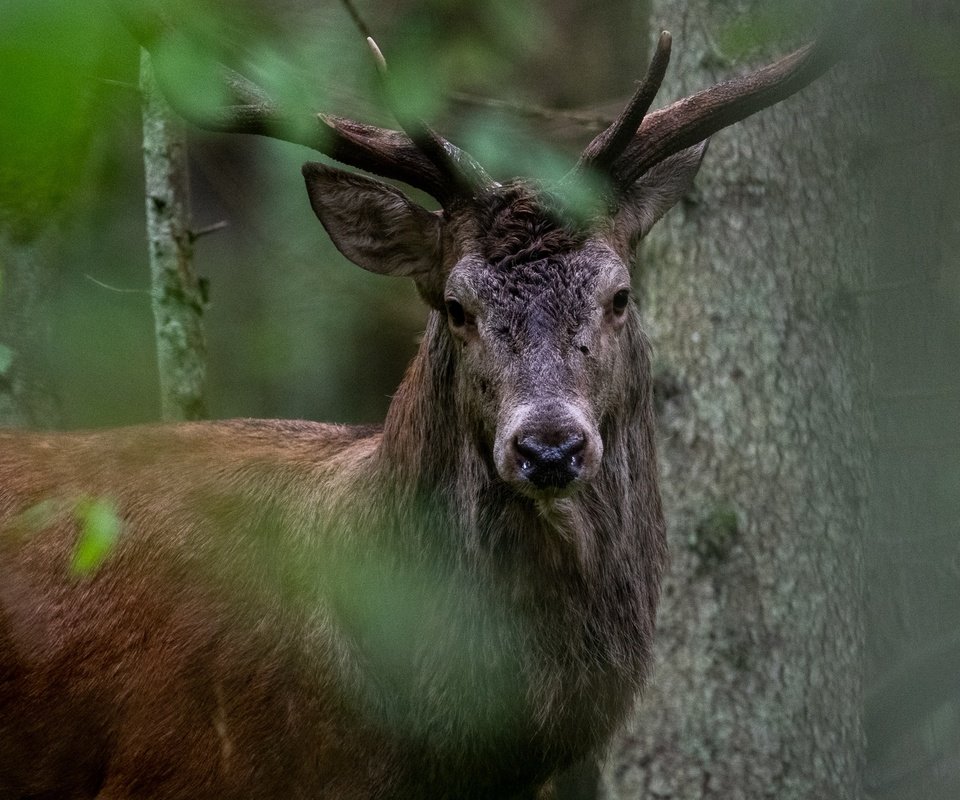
{"points": [[274, 673], [455, 605]]}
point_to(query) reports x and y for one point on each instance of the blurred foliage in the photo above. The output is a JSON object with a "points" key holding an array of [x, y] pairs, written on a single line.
{"points": [[507, 149], [436, 640], [35, 518], [768, 23], [412, 621], [295, 331], [99, 530], [51, 53], [440, 45]]}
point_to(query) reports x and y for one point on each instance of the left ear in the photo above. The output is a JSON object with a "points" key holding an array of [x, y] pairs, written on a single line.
{"points": [[655, 193], [373, 224]]}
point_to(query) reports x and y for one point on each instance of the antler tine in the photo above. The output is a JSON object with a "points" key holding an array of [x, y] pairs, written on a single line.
{"points": [[600, 154], [462, 174], [691, 120]]}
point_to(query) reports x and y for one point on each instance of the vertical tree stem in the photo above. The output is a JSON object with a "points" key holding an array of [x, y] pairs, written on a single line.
{"points": [[178, 300], [27, 398]]}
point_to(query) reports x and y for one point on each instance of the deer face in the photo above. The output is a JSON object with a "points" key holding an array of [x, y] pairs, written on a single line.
{"points": [[538, 310], [537, 313]]}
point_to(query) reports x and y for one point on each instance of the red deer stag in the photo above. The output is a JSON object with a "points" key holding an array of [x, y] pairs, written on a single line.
{"points": [[455, 604]]}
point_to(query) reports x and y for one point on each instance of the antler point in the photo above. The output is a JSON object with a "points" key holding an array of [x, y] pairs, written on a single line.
{"points": [[665, 43], [377, 56]]}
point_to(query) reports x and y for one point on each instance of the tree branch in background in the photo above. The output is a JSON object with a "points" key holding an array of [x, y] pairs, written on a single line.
{"points": [[586, 119], [589, 120], [357, 19], [178, 300]]}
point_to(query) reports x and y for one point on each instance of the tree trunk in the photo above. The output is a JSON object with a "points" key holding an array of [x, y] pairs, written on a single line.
{"points": [[26, 395], [177, 294], [748, 292]]}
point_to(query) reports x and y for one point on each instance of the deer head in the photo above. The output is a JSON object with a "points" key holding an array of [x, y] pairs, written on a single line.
{"points": [[536, 299]]}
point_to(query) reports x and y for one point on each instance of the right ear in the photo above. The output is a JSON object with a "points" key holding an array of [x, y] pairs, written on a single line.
{"points": [[374, 225], [655, 193]]}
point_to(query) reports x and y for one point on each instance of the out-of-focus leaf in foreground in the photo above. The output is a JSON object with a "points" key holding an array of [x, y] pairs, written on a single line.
{"points": [[54, 55], [99, 531], [441, 45], [769, 24], [509, 151]]}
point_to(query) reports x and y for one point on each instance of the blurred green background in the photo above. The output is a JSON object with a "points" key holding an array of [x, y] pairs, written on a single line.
{"points": [[295, 331]]}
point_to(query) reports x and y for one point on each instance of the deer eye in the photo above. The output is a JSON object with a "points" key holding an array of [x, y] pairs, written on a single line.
{"points": [[459, 317], [620, 300]]}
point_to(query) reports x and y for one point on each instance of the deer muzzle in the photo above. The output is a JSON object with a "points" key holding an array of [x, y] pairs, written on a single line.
{"points": [[547, 448]]}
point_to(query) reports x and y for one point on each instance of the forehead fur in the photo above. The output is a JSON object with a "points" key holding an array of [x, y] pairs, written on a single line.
{"points": [[518, 225]]}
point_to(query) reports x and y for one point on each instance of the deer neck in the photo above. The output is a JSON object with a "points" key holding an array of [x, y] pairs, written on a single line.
{"points": [[434, 454]]}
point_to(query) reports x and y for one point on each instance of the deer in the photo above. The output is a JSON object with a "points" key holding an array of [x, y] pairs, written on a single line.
{"points": [[458, 603]]}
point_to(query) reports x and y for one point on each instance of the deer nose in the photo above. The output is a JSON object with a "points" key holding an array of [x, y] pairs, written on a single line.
{"points": [[549, 461]]}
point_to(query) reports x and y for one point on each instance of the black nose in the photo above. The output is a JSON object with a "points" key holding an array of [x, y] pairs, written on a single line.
{"points": [[548, 463]]}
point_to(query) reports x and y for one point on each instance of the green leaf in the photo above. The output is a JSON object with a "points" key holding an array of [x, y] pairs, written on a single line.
{"points": [[99, 530], [189, 75], [767, 24]]}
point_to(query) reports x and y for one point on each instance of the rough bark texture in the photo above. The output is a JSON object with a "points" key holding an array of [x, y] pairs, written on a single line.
{"points": [[26, 396], [177, 294], [759, 358]]}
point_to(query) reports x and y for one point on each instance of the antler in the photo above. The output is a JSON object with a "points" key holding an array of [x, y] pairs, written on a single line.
{"points": [[607, 146], [417, 156], [637, 141], [461, 173], [420, 157]]}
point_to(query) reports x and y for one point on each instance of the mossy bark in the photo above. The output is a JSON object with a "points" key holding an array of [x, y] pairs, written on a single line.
{"points": [[760, 351]]}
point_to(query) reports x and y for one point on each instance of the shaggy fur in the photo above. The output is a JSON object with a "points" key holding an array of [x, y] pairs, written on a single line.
{"points": [[304, 610]]}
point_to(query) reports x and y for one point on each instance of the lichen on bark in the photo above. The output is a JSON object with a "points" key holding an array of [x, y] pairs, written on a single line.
{"points": [[756, 691], [176, 292]]}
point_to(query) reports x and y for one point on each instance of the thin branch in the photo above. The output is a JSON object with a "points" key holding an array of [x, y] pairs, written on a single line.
{"points": [[125, 85], [357, 19], [585, 119], [208, 229], [116, 289]]}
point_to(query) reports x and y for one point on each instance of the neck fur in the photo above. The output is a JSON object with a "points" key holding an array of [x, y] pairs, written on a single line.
{"points": [[532, 589], [612, 530]]}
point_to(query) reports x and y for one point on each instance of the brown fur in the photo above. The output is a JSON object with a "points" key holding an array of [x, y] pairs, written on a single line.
{"points": [[518, 225], [304, 610]]}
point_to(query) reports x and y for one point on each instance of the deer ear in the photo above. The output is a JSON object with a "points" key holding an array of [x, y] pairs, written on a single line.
{"points": [[373, 224], [655, 193]]}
